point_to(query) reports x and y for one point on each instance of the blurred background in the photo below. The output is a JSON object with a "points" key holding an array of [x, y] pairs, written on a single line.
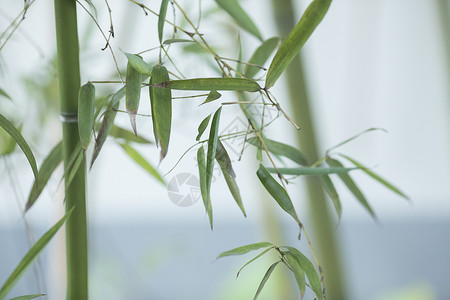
{"points": [[381, 63]]}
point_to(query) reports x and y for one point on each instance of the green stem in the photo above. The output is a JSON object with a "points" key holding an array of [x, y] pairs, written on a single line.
{"points": [[322, 221], [69, 84]]}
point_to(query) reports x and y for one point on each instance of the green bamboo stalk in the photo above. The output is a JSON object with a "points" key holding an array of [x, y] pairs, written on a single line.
{"points": [[443, 7], [321, 218], [69, 84]]}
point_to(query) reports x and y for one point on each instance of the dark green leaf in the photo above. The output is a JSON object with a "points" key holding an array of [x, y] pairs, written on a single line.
{"points": [[4, 94], [49, 165], [209, 84], [140, 160], [202, 127], [265, 278], [245, 249], [253, 259], [331, 191], [202, 175], [29, 258], [311, 171], [213, 95], [290, 48], [139, 64], [161, 103], [86, 110], [298, 272], [351, 185], [233, 8], [162, 18], [15, 134], [7, 143], [27, 297], [133, 94], [260, 56], [281, 149]]}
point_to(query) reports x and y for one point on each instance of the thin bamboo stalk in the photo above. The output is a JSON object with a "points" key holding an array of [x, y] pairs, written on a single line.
{"points": [[69, 84], [321, 218]]}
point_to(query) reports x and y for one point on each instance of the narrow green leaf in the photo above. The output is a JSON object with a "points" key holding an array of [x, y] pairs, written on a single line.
{"points": [[212, 146], [299, 274], [209, 84], [224, 161], [140, 160], [202, 127], [278, 193], [245, 249], [290, 48], [265, 278], [7, 143], [161, 103], [72, 169], [172, 41], [133, 94], [311, 171], [260, 57], [51, 162], [252, 260], [29, 258], [351, 185], [124, 134], [15, 134], [354, 137], [201, 160], [329, 188], [281, 149], [86, 110], [139, 64], [4, 94], [240, 55], [162, 18], [27, 297], [310, 271], [213, 95], [376, 177], [233, 8]]}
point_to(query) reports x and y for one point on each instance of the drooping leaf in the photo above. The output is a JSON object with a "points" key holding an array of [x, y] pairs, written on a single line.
{"points": [[376, 177], [290, 47], [173, 41], [86, 110], [162, 18], [15, 134], [139, 64], [329, 188], [233, 8], [265, 278], [253, 259], [29, 258], [76, 160], [27, 297], [224, 161], [201, 160], [133, 94], [245, 249], [351, 185], [51, 162], [161, 103], [311, 170], [281, 149], [310, 271], [202, 127], [299, 274], [7, 143], [209, 84], [277, 192], [141, 161], [4, 94], [213, 95], [260, 56], [124, 134]]}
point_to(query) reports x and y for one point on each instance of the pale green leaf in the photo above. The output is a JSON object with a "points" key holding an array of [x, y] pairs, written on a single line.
{"points": [[265, 278], [141, 161], [4, 94], [281, 149], [213, 95], [253, 259], [86, 110], [260, 56], [202, 127], [139, 64], [329, 188], [27, 297], [298, 272], [245, 249], [133, 94], [201, 160], [124, 134], [209, 84], [173, 41], [162, 18], [354, 137], [311, 170]]}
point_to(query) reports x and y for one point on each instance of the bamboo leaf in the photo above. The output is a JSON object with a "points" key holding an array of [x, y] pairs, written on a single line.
{"points": [[4, 94], [278, 193], [329, 188], [27, 297], [253, 259], [203, 189], [133, 94], [161, 103], [354, 137], [260, 56], [281, 149], [298, 272], [172, 41], [245, 249], [202, 127], [310, 271], [76, 161], [209, 84], [15, 134], [139, 64], [51, 162], [213, 95], [141, 161], [29, 258], [86, 110], [311, 170], [233, 8], [265, 278], [351, 185], [162, 18], [121, 133], [8, 144], [224, 161], [376, 177], [290, 48]]}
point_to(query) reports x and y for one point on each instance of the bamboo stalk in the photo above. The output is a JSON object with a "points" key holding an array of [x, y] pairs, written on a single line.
{"points": [[321, 219], [69, 84]]}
